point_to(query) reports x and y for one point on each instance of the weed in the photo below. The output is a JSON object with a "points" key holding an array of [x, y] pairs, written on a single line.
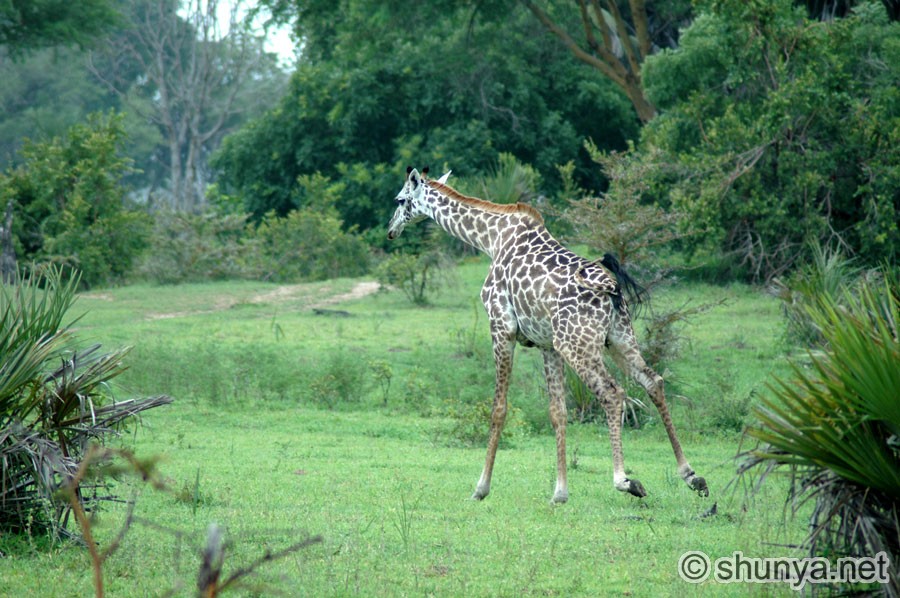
{"points": [[470, 424], [383, 374], [342, 381], [403, 518]]}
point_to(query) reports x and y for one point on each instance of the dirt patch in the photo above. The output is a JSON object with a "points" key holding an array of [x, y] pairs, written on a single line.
{"points": [[360, 290], [281, 294], [97, 296]]}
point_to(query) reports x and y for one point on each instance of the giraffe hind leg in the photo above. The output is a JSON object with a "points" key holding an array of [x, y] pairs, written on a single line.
{"points": [[554, 373], [624, 351]]}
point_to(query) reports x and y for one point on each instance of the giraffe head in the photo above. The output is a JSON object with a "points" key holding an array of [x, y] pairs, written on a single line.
{"points": [[410, 207]]}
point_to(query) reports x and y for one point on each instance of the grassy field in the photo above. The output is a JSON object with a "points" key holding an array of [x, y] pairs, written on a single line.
{"points": [[361, 425]]}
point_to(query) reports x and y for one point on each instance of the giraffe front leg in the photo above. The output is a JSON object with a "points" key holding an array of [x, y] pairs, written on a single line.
{"points": [[554, 373], [593, 372], [503, 356]]}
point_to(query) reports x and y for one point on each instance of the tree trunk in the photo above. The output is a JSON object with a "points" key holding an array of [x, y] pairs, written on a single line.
{"points": [[7, 249], [613, 53]]}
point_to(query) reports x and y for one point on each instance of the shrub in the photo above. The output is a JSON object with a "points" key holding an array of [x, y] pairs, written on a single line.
{"points": [[343, 379], [622, 221], [828, 273], [584, 406], [187, 247], [53, 401], [783, 129], [417, 276], [70, 202], [836, 425], [307, 244], [470, 424]]}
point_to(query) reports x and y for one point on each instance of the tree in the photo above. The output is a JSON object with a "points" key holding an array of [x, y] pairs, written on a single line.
{"points": [[70, 204], [182, 68], [616, 43], [782, 131], [380, 87], [31, 24]]}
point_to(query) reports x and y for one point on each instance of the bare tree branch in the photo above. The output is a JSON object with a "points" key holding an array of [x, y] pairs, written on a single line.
{"points": [[193, 66], [619, 58]]}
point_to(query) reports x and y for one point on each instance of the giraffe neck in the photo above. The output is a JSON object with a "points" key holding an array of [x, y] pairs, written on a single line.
{"points": [[479, 223]]}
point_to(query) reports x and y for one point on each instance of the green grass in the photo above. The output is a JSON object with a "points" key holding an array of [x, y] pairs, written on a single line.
{"points": [[250, 444]]}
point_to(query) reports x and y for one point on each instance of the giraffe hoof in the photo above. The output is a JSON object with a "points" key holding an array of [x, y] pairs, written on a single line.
{"points": [[559, 498], [698, 484], [478, 495], [635, 488]]}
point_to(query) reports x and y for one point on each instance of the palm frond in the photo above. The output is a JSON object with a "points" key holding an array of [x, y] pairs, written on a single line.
{"points": [[835, 425]]}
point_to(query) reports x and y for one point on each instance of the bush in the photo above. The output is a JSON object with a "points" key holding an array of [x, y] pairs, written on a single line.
{"points": [[343, 379], [417, 276], [782, 130], [53, 402], [836, 426], [187, 247], [623, 221], [828, 273], [71, 206], [470, 424], [307, 244], [304, 245]]}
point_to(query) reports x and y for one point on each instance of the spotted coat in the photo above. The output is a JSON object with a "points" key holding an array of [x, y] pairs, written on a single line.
{"points": [[540, 294]]}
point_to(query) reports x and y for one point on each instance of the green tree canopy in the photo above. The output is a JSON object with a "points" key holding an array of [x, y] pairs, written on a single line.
{"points": [[70, 205], [381, 87], [781, 130], [31, 24]]}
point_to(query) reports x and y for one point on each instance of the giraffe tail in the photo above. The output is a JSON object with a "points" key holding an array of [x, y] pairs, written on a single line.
{"points": [[635, 294]]}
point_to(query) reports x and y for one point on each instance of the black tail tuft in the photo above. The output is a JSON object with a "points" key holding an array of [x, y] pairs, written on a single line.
{"points": [[636, 295]]}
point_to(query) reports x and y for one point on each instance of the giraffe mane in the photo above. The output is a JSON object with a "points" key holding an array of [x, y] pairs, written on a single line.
{"points": [[487, 206]]}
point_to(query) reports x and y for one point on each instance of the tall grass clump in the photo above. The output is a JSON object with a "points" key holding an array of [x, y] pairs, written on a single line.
{"points": [[54, 400], [836, 426], [828, 272]]}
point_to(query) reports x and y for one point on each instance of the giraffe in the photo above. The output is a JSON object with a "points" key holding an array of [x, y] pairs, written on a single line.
{"points": [[539, 294]]}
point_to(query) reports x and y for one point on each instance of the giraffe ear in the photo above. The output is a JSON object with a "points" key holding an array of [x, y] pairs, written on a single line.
{"points": [[413, 177]]}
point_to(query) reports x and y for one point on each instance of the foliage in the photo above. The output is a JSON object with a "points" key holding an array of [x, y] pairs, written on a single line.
{"points": [[341, 380], [307, 244], [509, 181], [417, 276], [195, 247], [622, 221], [304, 245], [382, 87], [828, 273], [782, 130], [836, 424], [70, 203], [53, 400], [469, 424], [30, 24], [663, 341]]}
